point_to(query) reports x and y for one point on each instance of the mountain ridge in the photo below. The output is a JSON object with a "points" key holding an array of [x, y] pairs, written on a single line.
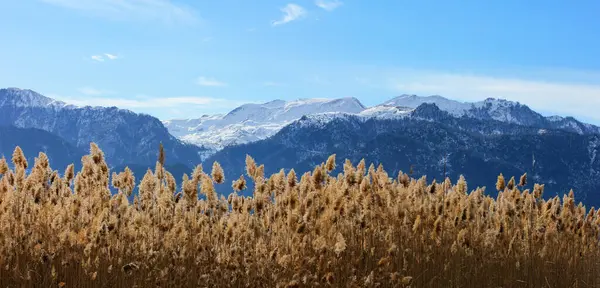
{"points": [[252, 122], [241, 130], [124, 136], [478, 149]]}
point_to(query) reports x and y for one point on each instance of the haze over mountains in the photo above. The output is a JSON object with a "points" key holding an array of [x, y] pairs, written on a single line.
{"points": [[480, 139]]}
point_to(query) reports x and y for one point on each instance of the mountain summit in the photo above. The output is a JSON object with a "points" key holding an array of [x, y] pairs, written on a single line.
{"points": [[27, 98]]}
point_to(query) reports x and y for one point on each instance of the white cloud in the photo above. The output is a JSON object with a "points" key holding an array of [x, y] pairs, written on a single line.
{"points": [[205, 81], [111, 56], [291, 12], [574, 99], [328, 5], [103, 57], [162, 10], [98, 58]]}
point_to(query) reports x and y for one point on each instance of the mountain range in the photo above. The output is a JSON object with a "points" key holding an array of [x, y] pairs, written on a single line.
{"points": [[427, 139], [253, 122], [478, 140]]}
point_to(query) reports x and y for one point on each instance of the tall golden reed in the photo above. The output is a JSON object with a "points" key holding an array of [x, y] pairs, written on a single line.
{"points": [[361, 228]]}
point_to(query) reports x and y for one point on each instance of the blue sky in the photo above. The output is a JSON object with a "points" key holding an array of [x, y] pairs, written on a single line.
{"points": [[182, 59]]}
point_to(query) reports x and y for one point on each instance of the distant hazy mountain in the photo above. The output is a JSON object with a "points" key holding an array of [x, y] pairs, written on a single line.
{"points": [[124, 136], [479, 149], [253, 122]]}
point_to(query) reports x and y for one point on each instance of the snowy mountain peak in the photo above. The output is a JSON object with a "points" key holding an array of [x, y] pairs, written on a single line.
{"points": [[26, 98], [386, 112], [251, 122]]}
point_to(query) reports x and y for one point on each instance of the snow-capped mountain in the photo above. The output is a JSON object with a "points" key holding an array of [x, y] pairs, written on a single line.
{"points": [[496, 109], [124, 136], [27, 98], [252, 122], [482, 138]]}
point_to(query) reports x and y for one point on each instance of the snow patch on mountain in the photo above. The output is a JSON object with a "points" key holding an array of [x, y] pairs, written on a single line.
{"points": [[498, 109], [386, 112], [555, 118]]}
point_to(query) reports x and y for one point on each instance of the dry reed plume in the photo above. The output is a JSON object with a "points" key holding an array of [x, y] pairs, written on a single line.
{"points": [[360, 228]]}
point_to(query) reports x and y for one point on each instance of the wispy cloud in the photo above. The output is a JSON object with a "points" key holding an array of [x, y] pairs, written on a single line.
{"points": [[103, 57], [93, 91], [111, 56], [328, 5], [291, 12], [206, 81], [162, 10], [575, 99], [98, 58]]}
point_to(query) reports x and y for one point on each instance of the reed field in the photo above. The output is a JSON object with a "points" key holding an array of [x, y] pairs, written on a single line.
{"points": [[357, 228]]}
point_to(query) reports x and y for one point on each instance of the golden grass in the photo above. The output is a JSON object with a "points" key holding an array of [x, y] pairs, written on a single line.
{"points": [[360, 228]]}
